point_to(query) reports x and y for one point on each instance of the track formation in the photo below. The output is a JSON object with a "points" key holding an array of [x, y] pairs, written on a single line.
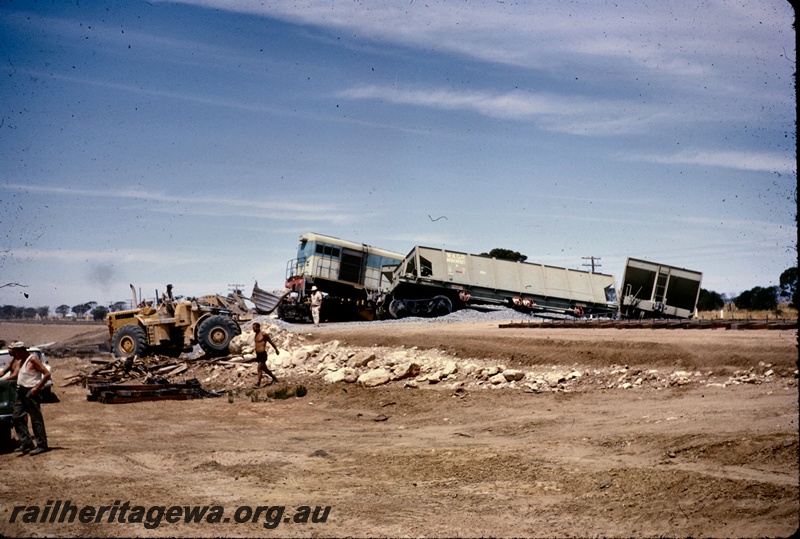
{"points": [[648, 323]]}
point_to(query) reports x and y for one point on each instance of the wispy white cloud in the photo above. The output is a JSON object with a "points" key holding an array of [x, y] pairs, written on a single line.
{"points": [[247, 106], [209, 206], [673, 40], [155, 196], [576, 115], [741, 160]]}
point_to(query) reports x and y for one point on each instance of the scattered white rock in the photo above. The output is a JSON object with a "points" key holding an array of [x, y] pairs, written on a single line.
{"points": [[450, 368], [361, 359], [513, 375], [374, 377], [553, 379], [405, 370], [497, 378]]}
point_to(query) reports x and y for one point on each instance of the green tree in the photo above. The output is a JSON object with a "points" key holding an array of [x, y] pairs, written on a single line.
{"points": [[62, 310], [506, 254], [43, 312], [788, 286], [99, 313], [81, 309], [709, 301], [758, 298], [118, 306]]}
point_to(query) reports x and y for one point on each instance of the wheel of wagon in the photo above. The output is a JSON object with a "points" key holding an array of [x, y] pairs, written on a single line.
{"points": [[129, 340], [441, 306], [215, 334], [398, 308]]}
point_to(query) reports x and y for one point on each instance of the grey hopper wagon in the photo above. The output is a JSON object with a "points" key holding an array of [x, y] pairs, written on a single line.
{"points": [[434, 282]]}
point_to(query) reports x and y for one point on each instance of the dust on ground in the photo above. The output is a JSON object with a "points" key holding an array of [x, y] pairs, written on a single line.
{"points": [[684, 460]]}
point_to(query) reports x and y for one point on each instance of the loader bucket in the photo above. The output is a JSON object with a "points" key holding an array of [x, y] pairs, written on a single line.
{"points": [[264, 301]]}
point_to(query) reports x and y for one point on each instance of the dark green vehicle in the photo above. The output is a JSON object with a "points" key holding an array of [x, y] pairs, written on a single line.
{"points": [[8, 392]]}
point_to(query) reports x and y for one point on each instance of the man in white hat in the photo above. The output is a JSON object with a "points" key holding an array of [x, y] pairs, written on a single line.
{"points": [[31, 379], [316, 304]]}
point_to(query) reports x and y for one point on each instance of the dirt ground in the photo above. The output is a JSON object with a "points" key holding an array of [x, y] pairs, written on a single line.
{"points": [[702, 459]]}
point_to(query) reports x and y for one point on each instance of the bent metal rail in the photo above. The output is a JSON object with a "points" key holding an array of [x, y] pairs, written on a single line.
{"points": [[647, 323]]}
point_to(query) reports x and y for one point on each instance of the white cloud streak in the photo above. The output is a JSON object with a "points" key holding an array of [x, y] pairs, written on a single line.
{"points": [[740, 160], [224, 206], [669, 38], [575, 115]]}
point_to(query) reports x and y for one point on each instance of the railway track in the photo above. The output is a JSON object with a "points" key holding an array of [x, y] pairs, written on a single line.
{"points": [[647, 323]]}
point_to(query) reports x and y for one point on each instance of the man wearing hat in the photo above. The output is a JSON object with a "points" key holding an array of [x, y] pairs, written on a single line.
{"points": [[31, 379], [316, 304]]}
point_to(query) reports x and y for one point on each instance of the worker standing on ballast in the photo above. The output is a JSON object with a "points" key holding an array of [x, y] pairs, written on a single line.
{"points": [[316, 304]]}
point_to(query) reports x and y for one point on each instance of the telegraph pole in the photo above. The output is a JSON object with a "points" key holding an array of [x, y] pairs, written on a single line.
{"points": [[594, 264], [234, 288]]}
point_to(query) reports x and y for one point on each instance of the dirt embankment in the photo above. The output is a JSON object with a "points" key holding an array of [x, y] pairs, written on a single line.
{"points": [[686, 349], [74, 335]]}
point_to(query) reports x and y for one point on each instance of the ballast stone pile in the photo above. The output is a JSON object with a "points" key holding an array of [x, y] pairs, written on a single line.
{"points": [[413, 368]]}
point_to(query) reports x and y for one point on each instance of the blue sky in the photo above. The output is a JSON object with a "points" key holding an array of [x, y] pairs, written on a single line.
{"points": [[193, 142]]}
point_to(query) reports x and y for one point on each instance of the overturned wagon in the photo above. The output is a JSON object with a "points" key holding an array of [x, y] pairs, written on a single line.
{"points": [[652, 290], [434, 282]]}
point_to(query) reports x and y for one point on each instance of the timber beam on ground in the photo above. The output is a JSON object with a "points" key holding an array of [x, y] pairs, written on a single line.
{"points": [[126, 393], [651, 323]]}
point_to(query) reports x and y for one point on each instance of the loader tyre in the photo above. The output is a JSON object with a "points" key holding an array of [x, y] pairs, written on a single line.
{"points": [[129, 340], [215, 334]]}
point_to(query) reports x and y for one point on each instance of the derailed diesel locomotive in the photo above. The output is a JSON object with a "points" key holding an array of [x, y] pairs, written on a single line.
{"points": [[348, 273]]}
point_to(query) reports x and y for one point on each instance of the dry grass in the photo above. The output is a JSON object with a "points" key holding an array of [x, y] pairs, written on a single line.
{"points": [[731, 312]]}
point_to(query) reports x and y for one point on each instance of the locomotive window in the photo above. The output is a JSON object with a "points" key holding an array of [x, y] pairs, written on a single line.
{"points": [[328, 250]]}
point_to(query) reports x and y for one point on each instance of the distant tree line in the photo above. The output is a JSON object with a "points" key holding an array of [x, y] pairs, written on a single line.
{"points": [[95, 311], [758, 298], [10, 311]]}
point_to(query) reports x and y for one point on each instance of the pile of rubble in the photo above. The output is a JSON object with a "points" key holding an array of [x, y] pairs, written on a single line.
{"points": [[127, 369], [334, 363], [415, 368]]}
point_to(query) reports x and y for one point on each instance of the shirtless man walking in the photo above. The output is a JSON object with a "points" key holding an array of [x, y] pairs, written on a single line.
{"points": [[261, 340]]}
